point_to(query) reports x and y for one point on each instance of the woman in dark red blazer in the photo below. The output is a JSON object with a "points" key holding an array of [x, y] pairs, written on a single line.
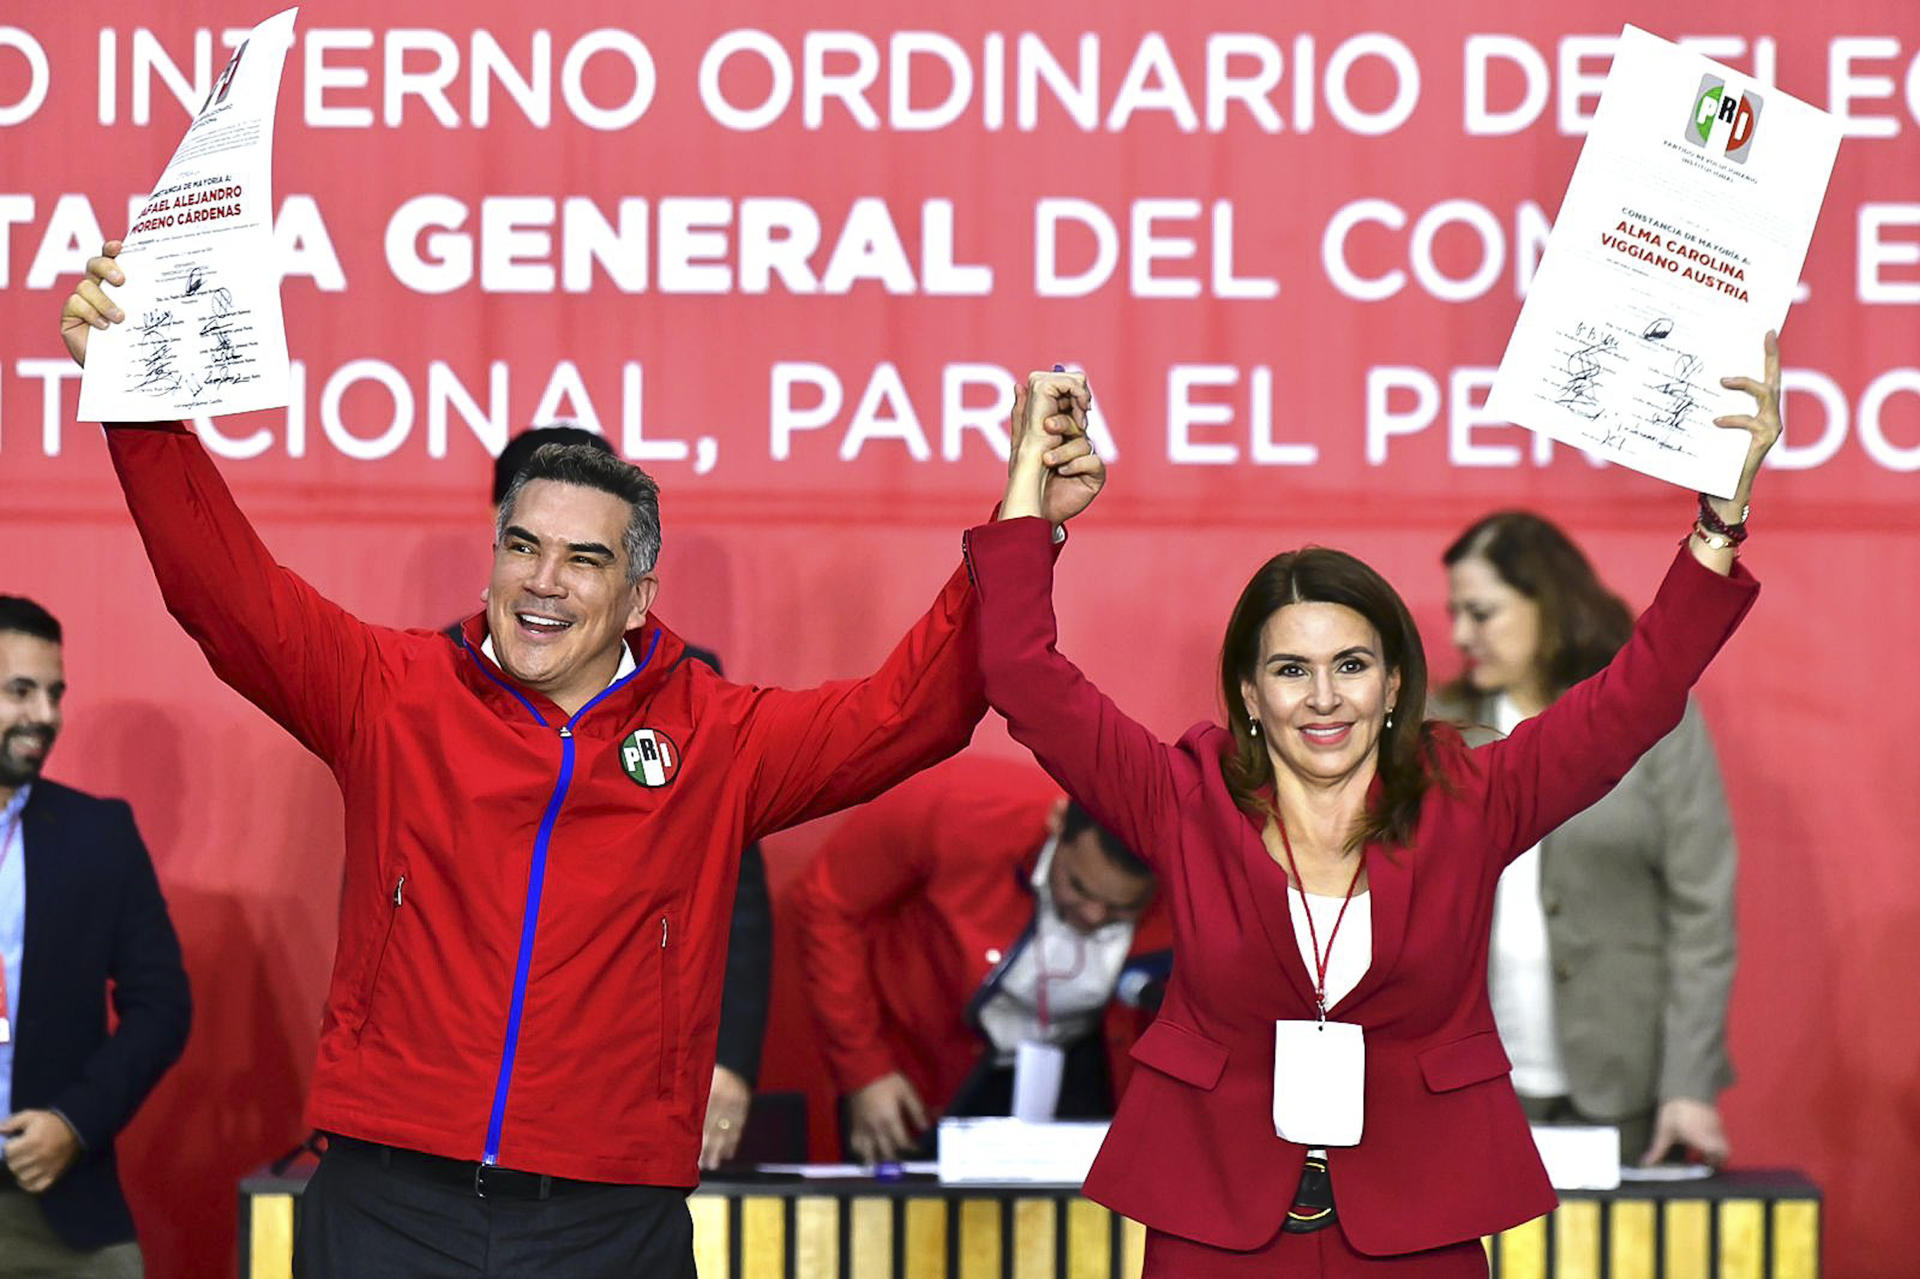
{"points": [[1392, 828]]}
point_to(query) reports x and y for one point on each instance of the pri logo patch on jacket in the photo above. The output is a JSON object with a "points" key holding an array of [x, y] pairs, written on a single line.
{"points": [[650, 757]]}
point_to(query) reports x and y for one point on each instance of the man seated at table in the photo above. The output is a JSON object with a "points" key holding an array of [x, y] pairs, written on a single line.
{"points": [[969, 911]]}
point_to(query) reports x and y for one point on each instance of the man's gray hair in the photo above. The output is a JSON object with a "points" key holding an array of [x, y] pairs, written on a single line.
{"points": [[595, 468]]}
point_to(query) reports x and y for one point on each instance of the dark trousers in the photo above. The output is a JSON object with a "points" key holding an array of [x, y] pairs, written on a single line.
{"points": [[404, 1216], [1086, 1086]]}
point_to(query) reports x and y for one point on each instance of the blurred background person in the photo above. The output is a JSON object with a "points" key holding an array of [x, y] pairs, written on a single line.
{"points": [[1613, 939], [749, 973], [966, 912]]}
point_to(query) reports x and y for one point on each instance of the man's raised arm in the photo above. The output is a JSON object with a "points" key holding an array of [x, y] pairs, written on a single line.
{"points": [[274, 639]]}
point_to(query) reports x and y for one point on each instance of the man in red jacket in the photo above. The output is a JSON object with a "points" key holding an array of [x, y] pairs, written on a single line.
{"points": [[544, 818], [746, 987], [965, 913]]}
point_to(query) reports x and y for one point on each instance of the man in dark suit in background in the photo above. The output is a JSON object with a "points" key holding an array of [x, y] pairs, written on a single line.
{"points": [[749, 977], [79, 909]]}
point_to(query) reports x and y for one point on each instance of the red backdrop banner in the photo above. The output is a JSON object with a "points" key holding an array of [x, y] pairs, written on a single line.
{"points": [[787, 257]]}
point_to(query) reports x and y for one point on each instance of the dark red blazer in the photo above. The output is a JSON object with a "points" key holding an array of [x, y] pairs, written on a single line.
{"points": [[1445, 1155]]}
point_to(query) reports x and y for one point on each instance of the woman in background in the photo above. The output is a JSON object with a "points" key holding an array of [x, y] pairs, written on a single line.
{"points": [[1613, 941]]}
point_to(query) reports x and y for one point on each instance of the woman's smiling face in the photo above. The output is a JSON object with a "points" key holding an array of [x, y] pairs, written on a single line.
{"points": [[1322, 691]]}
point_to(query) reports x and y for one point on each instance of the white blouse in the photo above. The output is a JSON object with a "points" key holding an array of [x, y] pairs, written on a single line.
{"points": [[1352, 948]]}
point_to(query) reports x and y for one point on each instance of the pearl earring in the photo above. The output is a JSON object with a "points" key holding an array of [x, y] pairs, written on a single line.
{"points": [[1253, 726], [1389, 719]]}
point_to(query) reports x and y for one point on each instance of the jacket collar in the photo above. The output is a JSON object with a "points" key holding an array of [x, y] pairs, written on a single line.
{"points": [[43, 800], [656, 651]]}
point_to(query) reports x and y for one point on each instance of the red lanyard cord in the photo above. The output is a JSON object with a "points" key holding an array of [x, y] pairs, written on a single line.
{"points": [[1320, 961], [1045, 975]]}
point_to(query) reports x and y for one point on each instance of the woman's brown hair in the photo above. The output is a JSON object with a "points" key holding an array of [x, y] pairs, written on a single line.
{"points": [[1582, 623], [1317, 575]]}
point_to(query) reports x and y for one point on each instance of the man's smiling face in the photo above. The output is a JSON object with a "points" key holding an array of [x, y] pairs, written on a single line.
{"points": [[558, 601], [32, 682]]}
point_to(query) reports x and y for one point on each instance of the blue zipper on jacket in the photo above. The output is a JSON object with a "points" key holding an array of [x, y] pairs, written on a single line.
{"points": [[536, 881]]}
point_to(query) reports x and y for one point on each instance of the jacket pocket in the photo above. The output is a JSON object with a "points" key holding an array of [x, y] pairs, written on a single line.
{"points": [[396, 901], [669, 1010], [1186, 1055], [1473, 1060]]}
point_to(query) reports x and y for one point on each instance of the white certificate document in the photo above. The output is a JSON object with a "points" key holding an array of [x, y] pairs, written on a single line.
{"points": [[203, 333], [1679, 244]]}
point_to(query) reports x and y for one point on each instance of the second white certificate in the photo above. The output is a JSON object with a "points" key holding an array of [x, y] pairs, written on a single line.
{"points": [[1679, 244]]}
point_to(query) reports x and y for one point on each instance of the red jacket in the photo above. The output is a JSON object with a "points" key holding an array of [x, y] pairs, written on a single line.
{"points": [[914, 906], [531, 942], [1445, 1155]]}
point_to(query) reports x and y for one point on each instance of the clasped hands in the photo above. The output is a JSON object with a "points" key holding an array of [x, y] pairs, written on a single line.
{"points": [[1052, 470]]}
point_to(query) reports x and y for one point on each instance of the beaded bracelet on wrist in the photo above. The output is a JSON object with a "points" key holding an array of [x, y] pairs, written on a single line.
{"points": [[1710, 521]]}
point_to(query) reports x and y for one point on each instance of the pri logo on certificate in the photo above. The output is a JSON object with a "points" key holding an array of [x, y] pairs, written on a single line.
{"points": [[1734, 116], [221, 87]]}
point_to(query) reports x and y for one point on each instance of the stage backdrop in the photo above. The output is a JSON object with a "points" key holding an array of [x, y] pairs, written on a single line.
{"points": [[788, 256]]}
